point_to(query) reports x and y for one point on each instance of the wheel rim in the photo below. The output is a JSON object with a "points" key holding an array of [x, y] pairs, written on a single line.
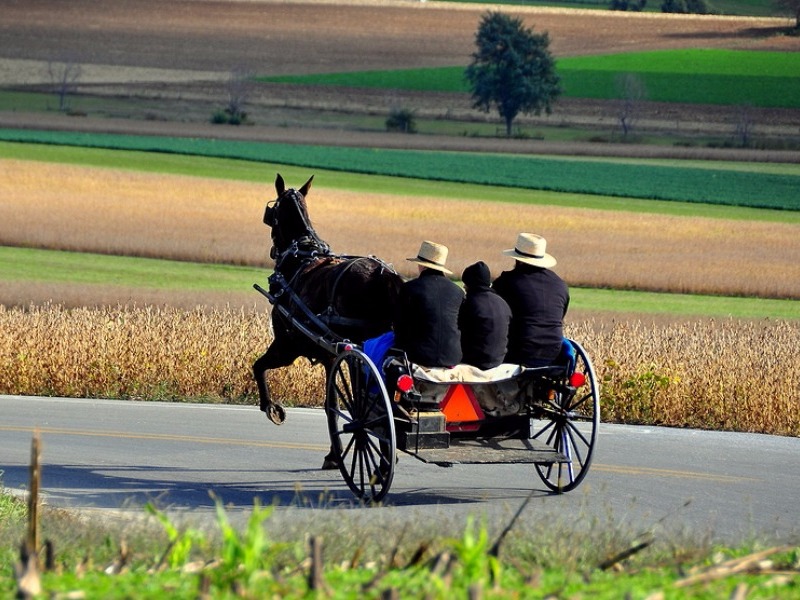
{"points": [[571, 430], [361, 425]]}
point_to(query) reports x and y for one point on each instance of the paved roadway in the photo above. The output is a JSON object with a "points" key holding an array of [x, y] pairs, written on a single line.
{"points": [[104, 454]]}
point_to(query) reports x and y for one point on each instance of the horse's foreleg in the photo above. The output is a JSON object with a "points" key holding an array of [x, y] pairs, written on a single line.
{"points": [[274, 358]]}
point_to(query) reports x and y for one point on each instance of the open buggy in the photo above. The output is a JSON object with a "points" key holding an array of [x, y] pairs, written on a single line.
{"points": [[377, 403]]}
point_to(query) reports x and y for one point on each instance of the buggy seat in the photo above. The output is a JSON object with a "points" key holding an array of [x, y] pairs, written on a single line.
{"points": [[500, 391]]}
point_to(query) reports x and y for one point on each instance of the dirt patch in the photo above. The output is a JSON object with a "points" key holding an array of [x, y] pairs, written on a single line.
{"points": [[271, 37]]}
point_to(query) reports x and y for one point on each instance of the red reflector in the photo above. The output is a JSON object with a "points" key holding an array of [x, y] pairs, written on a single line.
{"points": [[348, 347], [405, 383], [577, 379]]}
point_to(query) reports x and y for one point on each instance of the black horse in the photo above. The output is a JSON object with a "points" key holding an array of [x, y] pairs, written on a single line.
{"points": [[352, 297]]}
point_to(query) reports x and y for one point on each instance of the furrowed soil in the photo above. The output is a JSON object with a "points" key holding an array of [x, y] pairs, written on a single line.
{"points": [[176, 57]]}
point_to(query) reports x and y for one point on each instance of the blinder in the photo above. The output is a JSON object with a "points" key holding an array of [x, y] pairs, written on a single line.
{"points": [[270, 217]]}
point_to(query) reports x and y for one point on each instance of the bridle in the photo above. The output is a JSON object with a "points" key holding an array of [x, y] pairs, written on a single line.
{"points": [[308, 246]]}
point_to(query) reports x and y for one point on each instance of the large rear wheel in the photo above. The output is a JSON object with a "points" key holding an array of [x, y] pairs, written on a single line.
{"points": [[361, 425], [569, 426]]}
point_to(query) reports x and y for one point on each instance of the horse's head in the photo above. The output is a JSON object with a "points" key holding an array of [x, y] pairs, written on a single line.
{"points": [[287, 216]]}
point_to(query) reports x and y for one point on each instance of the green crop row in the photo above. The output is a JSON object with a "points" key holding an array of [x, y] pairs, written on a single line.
{"points": [[627, 179], [695, 76]]}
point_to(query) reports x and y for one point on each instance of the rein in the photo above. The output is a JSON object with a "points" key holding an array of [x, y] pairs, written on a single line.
{"points": [[281, 291]]}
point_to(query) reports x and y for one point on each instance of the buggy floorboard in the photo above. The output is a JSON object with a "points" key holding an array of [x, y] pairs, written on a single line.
{"points": [[489, 451]]}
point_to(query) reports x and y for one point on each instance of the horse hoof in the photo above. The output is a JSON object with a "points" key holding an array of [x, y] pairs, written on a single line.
{"points": [[276, 414], [329, 463]]}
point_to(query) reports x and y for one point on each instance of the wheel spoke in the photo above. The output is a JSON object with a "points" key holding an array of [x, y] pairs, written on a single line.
{"points": [[572, 429], [566, 449], [348, 448], [345, 416], [343, 391], [543, 429], [356, 462], [555, 432], [373, 468], [572, 408], [373, 447]]}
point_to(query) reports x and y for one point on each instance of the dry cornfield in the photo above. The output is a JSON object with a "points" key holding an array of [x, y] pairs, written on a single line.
{"points": [[191, 218], [721, 375], [139, 353]]}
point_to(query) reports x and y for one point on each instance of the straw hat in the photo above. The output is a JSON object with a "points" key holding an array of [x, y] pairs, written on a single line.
{"points": [[530, 249], [432, 256]]}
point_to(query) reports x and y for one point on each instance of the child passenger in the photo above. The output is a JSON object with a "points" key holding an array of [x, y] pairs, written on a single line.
{"points": [[483, 320]]}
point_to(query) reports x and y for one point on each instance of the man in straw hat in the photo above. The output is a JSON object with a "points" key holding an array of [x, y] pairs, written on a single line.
{"points": [[538, 299], [426, 323]]}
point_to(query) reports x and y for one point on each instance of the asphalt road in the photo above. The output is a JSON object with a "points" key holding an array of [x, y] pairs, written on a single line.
{"points": [[104, 454]]}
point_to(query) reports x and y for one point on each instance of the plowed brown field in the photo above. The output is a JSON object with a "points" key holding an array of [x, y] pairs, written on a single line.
{"points": [[185, 49]]}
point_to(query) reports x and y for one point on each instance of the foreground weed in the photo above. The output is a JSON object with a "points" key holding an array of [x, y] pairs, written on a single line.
{"points": [[12, 509], [244, 556], [181, 543], [473, 553]]}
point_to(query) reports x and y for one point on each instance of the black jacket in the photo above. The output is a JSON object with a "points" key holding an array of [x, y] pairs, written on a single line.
{"points": [[426, 323], [539, 300], [483, 320]]}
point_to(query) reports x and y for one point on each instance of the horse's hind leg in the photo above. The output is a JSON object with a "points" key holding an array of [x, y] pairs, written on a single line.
{"points": [[330, 461], [274, 358]]}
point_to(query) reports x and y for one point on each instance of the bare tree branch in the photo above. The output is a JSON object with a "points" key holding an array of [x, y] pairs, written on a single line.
{"points": [[64, 76]]}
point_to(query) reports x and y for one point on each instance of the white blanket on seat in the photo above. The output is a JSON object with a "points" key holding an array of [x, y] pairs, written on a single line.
{"points": [[466, 374]]}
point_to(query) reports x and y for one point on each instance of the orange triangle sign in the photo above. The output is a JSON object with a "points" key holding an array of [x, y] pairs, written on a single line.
{"points": [[460, 405]]}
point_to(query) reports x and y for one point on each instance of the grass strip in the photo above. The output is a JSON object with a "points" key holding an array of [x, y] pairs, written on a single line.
{"points": [[264, 558], [695, 76], [624, 179], [28, 264], [658, 303]]}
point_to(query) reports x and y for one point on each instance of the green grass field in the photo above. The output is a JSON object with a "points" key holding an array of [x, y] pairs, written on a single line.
{"points": [[623, 178], [31, 264], [699, 76], [44, 266]]}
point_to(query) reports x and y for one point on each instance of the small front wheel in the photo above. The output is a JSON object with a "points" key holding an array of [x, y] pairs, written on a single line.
{"points": [[361, 425]]}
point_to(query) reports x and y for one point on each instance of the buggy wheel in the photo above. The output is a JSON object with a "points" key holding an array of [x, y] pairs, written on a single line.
{"points": [[361, 425], [570, 428]]}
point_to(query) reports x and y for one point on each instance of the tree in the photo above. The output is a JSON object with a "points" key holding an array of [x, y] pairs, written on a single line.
{"points": [[632, 92], [239, 87], [512, 69], [632, 5], [698, 7], [64, 75], [402, 120], [743, 132], [791, 7]]}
